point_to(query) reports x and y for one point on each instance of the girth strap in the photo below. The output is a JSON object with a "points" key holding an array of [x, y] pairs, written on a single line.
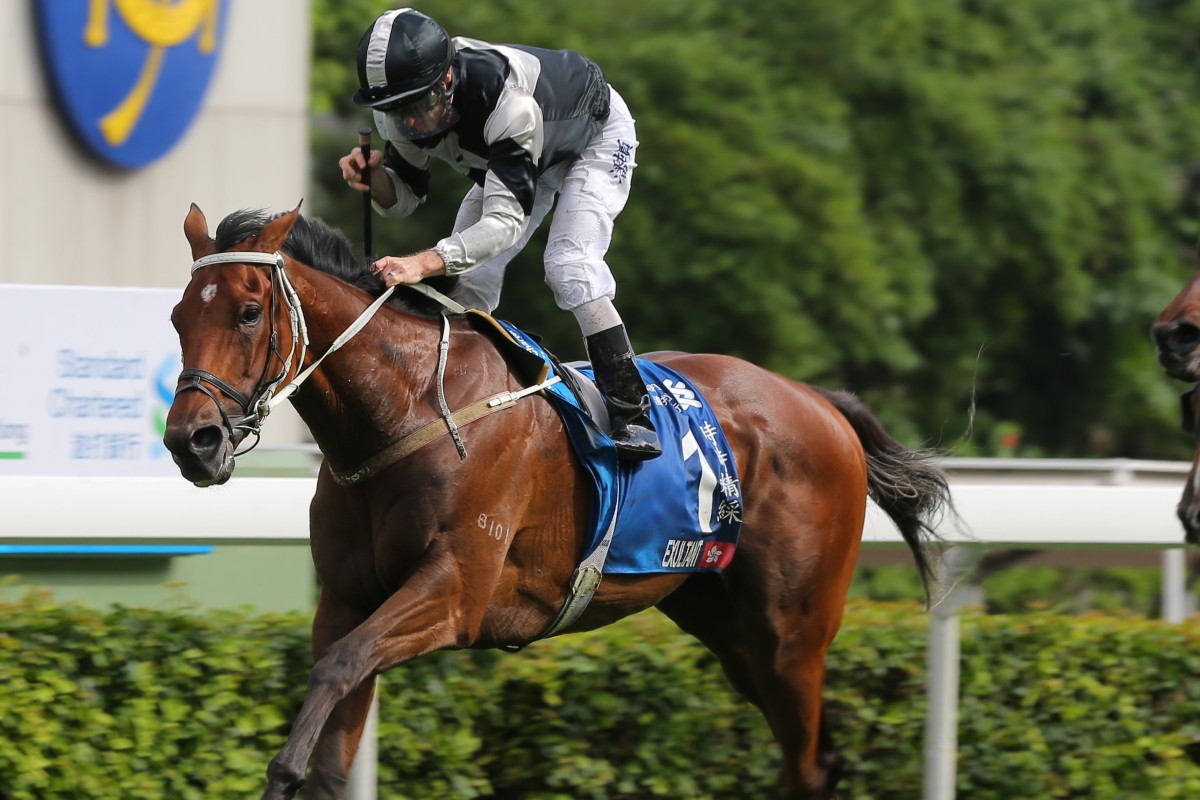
{"points": [[435, 430]]}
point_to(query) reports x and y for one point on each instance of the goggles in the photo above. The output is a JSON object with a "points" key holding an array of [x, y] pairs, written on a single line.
{"points": [[429, 114]]}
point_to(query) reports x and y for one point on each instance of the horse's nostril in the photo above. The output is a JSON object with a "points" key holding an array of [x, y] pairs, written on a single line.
{"points": [[1177, 336], [1185, 336], [206, 440]]}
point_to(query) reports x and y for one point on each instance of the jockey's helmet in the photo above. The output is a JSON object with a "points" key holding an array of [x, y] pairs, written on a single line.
{"points": [[403, 59]]}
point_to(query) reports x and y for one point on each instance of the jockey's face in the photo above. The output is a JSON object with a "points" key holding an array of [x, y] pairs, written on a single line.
{"points": [[430, 113]]}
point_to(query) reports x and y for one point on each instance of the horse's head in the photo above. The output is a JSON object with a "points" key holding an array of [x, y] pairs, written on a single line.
{"points": [[1176, 333], [229, 331]]}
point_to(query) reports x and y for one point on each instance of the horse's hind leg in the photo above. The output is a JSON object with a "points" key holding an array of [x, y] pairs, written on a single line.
{"points": [[702, 608], [811, 766], [771, 628]]}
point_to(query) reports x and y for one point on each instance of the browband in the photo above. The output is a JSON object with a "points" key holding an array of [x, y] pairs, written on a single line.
{"points": [[246, 257]]}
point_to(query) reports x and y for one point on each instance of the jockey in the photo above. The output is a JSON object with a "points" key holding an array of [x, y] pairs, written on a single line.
{"points": [[528, 126]]}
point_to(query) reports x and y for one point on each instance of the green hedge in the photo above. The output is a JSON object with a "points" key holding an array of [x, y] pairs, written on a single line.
{"points": [[137, 703]]}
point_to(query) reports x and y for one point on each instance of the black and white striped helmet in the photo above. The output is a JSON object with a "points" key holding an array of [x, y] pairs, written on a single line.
{"points": [[403, 54]]}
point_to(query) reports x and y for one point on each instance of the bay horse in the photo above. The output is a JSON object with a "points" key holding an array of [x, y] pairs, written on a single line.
{"points": [[407, 561], [1176, 335]]}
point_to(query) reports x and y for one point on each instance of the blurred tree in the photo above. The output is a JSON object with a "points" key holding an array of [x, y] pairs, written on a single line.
{"points": [[943, 205]]}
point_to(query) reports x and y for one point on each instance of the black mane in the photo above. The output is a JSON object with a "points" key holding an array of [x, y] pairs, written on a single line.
{"points": [[325, 248]]}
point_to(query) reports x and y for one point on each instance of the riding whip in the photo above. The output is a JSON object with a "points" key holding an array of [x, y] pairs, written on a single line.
{"points": [[364, 144]]}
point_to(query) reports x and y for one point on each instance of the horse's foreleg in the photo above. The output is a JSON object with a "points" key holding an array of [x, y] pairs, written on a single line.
{"points": [[424, 616], [338, 742], [339, 739]]}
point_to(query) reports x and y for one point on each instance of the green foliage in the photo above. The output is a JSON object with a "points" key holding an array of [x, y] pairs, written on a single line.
{"points": [[1050, 706], [930, 203], [1022, 587], [135, 703], [143, 704]]}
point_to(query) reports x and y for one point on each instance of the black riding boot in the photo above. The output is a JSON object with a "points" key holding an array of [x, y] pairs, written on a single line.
{"points": [[624, 393]]}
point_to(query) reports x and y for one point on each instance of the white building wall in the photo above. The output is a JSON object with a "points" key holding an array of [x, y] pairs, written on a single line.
{"points": [[67, 218]]}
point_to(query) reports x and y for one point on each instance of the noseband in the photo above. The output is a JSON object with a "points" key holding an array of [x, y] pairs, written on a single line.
{"points": [[256, 407]]}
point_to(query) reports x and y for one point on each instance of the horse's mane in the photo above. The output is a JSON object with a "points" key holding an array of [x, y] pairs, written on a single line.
{"points": [[327, 249]]}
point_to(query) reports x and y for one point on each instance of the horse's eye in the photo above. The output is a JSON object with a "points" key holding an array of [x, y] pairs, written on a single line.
{"points": [[251, 315]]}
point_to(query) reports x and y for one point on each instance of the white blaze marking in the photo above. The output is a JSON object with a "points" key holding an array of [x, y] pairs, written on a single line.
{"points": [[208, 293]]}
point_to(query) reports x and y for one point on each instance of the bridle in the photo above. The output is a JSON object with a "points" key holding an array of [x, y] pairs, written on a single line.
{"points": [[258, 406], [269, 394]]}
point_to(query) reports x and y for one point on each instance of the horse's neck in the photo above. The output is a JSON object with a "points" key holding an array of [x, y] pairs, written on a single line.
{"points": [[360, 397]]}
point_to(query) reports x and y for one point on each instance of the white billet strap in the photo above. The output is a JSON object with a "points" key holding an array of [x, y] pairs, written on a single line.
{"points": [[432, 293], [443, 353]]}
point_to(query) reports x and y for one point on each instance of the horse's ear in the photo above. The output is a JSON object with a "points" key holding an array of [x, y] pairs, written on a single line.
{"points": [[275, 232], [195, 228]]}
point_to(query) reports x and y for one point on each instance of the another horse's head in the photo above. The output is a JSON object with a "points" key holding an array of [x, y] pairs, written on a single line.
{"points": [[229, 335], [1176, 333]]}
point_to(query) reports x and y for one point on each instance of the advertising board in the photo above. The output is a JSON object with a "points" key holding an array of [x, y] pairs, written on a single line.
{"points": [[87, 375]]}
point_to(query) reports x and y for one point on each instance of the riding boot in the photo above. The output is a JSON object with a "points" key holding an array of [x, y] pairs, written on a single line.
{"points": [[624, 393]]}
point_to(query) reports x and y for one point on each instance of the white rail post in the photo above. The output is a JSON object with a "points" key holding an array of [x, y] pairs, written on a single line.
{"points": [[941, 682], [1174, 586], [363, 781]]}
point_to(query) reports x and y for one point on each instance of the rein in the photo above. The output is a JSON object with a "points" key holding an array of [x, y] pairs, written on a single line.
{"points": [[268, 395]]}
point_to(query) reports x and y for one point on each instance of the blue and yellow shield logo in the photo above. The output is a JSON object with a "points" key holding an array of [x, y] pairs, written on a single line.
{"points": [[130, 74]]}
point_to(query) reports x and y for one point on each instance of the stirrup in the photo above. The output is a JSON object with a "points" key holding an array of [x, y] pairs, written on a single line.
{"points": [[635, 442], [632, 431]]}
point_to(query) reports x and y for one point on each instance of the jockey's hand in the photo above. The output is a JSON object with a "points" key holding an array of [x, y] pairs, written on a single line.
{"points": [[352, 168], [409, 269]]}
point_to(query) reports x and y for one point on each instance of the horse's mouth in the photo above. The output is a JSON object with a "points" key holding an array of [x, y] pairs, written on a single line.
{"points": [[1180, 368], [1177, 345]]}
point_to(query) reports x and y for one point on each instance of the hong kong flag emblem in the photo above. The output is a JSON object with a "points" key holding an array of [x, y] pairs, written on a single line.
{"points": [[717, 555]]}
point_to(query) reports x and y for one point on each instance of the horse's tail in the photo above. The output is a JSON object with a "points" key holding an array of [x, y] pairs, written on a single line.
{"points": [[907, 484]]}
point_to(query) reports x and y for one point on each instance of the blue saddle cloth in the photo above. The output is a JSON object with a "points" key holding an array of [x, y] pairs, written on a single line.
{"points": [[680, 512]]}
